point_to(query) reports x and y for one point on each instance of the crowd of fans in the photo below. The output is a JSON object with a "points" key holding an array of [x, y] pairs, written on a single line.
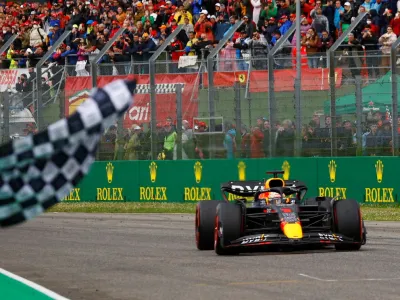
{"points": [[148, 23], [257, 142]]}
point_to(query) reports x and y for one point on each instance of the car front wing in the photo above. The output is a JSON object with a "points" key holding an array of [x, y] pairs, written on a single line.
{"points": [[280, 239]]}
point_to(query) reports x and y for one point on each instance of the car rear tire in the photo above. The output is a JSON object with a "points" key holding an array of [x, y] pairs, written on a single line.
{"points": [[228, 227], [348, 222], [204, 224]]}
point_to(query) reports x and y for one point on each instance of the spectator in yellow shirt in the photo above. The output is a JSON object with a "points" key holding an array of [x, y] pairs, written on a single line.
{"points": [[181, 14]]}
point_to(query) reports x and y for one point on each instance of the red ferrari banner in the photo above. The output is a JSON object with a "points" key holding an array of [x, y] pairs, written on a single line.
{"points": [[78, 88], [311, 79]]}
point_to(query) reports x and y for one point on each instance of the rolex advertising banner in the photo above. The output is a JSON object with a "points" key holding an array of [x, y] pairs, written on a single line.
{"points": [[107, 181], [365, 179]]}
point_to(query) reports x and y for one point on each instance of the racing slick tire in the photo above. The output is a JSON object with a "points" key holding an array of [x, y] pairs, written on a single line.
{"points": [[348, 222], [204, 224], [228, 225]]}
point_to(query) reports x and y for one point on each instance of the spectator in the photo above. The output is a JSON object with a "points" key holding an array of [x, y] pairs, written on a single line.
{"points": [[311, 41], [371, 144], [268, 29], [169, 140], [132, 147], [256, 10], [269, 11], [257, 138], [386, 42], [204, 26], [345, 18], [395, 24], [230, 143], [196, 9], [329, 12], [245, 145], [242, 45], [259, 50], [285, 139], [369, 41], [266, 141], [227, 58], [320, 22], [326, 42], [187, 26], [339, 11], [188, 141]]}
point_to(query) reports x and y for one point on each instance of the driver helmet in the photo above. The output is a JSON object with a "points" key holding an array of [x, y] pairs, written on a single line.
{"points": [[275, 196]]}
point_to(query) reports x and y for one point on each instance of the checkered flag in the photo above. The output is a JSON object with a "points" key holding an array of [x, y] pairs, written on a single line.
{"points": [[40, 170]]}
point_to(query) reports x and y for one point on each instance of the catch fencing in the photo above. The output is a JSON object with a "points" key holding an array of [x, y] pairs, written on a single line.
{"points": [[220, 103]]}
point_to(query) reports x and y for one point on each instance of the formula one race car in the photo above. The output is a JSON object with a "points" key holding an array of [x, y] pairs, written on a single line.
{"points": [[275, 212]]}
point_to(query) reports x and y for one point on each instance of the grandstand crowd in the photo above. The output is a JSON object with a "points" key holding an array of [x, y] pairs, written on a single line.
{"points": [[255, 142], [148, 23]]}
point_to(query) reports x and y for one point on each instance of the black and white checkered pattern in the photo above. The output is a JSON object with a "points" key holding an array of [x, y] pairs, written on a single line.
{"points": [[161, 88], [40, 170]]}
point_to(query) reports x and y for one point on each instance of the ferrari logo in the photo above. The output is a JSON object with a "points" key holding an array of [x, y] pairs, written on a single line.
{"points": [[242, 78]]}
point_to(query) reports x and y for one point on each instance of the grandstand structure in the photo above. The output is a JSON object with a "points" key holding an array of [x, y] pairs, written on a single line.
{"points": [[215, 80]]}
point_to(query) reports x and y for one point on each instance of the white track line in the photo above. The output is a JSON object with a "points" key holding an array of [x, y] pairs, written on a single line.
{"points": [[316, 278], [358, 279], [33, 285]]}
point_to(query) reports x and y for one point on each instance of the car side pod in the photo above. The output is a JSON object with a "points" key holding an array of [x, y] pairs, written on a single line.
{"points": [[292, 230]]}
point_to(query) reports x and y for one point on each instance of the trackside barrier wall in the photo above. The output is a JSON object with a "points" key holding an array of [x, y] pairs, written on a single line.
{"points": [[365, 179]]}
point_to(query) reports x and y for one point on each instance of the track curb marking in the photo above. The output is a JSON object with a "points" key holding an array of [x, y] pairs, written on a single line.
{"points": [[33, 285]]}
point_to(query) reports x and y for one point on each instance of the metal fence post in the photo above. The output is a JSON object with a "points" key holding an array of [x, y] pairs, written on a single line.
{"points": [[332, 91], [39, 65], [210, 77], [238, 117], [99, 56], [6, 117], [332, 80], [152, 75], [93, 73], [359, 113], [395, 96], [178, 90], [271, 87], [297, 84], [210, 71], [7, 44]]}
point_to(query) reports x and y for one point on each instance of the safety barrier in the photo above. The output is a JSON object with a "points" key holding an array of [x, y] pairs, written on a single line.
{"points": [[366, 179]]}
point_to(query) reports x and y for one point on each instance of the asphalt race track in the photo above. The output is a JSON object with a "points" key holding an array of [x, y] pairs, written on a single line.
{"points": [[148, 256]]}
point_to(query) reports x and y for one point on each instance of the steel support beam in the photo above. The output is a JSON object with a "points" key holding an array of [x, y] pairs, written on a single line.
{"points": [[332, 81], [39, 65], [152, 73]]}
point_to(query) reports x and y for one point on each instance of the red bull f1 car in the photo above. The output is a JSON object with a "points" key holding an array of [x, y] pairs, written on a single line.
{"points": [[276, 212]]}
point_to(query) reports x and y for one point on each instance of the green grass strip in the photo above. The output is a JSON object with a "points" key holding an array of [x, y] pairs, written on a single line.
{"points": [[370, 212]]}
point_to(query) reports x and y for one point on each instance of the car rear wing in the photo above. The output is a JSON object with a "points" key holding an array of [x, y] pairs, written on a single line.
{"points": [[242, 188], [253, 188]]}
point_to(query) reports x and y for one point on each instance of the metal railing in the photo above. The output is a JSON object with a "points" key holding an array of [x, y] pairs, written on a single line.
{"points": [[247, 99]]}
